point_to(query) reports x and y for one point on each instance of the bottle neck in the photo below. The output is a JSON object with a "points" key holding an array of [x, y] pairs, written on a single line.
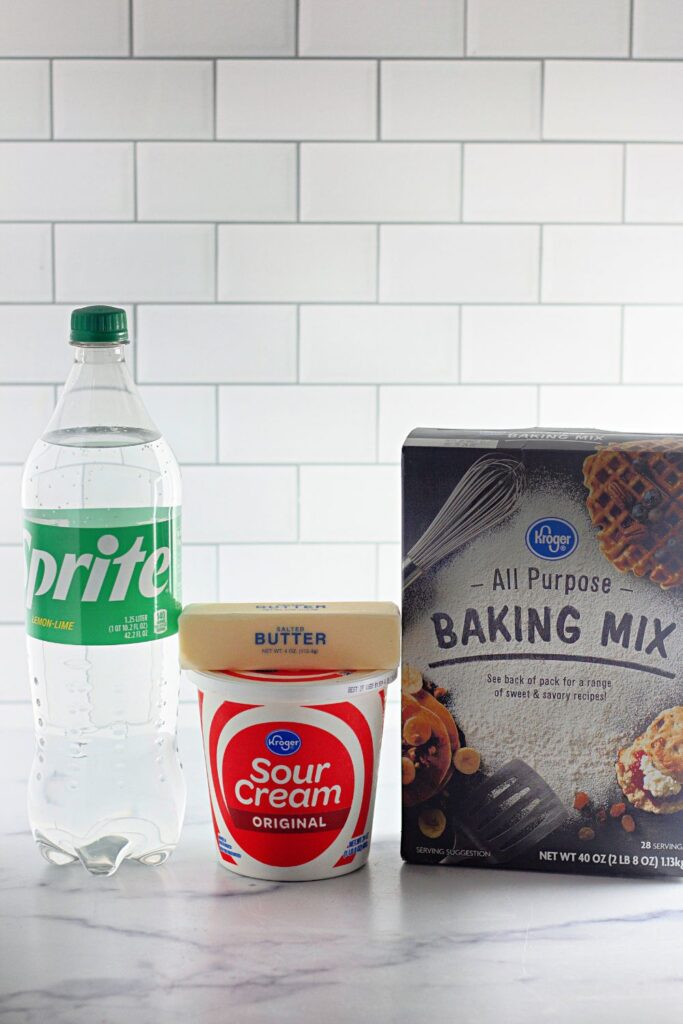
{"points": [[100, 405], [99, 355]]}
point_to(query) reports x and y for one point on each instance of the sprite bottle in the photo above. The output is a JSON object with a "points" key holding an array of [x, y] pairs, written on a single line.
{"points": [[101, 499]]}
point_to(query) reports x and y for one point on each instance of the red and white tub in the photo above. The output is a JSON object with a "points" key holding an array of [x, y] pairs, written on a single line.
{"points": [[292, 760]]}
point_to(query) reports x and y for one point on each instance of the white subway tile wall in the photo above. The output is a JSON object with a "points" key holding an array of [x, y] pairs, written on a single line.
{"points": [[331, 221], [25, 99]]}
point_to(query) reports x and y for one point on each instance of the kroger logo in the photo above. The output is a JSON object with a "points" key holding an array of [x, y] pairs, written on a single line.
{"points": [[551, 538], [283, 742]]}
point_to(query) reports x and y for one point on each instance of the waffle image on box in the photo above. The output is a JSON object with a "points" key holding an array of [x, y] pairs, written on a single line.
{"points": [[542, 688]]}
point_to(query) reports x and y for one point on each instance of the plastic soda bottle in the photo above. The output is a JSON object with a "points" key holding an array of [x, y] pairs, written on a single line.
{"points": [[101, 499]]}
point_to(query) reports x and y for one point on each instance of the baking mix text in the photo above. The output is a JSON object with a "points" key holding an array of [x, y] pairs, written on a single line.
{"points": [[491, 624]]}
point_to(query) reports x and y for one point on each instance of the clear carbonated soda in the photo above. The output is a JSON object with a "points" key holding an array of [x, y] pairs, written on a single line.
{"points": [[101, 499]]}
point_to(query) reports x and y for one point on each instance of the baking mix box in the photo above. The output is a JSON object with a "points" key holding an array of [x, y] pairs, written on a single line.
{"points": [[542, 699]]}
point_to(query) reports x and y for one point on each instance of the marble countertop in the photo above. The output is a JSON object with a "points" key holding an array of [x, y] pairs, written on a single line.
{"points": [[393, 942]]}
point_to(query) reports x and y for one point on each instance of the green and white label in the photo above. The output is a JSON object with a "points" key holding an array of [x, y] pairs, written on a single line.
{"points": [[102, 576]]}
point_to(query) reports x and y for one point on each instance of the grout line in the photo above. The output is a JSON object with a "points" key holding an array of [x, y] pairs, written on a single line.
{"points": [[510, 225], [541, 235], [215, 263], [362, 58], [351, 141], [541, 113], [53, 262], [538, 405], [376, 571], [298, 344], [131, 42], [631, 19], [465, 28], [298, 182], [134, 330], [378, 102], [459, 344], [426, 385], [462, 182], [52, 101], [135, 181], [377, 418], [214, 86], [452, 303], [297, 16], [378, 262], [217, 422], [217, 570], [298, 505], [621, 344], [624, 158]]}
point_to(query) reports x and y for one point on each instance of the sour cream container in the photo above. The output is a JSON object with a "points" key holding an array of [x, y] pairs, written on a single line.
{"points": [[291, 760]]}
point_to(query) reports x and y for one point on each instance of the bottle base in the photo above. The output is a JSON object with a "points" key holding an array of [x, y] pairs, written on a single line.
{"points": [[103, 855]]}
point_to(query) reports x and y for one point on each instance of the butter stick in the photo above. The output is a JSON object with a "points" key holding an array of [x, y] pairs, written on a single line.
{"points": [[337, 635]]}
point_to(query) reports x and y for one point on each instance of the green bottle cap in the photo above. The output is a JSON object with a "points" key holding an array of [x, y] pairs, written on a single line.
{"points": [[94, 325]]}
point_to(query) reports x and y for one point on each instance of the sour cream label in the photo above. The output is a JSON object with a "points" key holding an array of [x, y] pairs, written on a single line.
{"points": [[292, 786]]}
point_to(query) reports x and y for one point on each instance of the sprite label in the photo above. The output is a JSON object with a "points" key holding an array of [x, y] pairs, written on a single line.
{"points": [[102, 576]]}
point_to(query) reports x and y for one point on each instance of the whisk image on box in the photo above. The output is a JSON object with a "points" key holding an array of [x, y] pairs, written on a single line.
{"points": [[487, 493]]}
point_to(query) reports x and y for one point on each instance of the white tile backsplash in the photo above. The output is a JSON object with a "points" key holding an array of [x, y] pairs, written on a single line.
{"points": [[229, 181], [653, 345], [216, 344], [297, 263], [24, 413], [297, 572], [214, 28], [24, 99], [613, 100], [380, 182], [10, 506], [290, 99], [12, 607], [548, 28], [631, 408], [532, 182], [200, 573], [612, 264], [475, 99], [25, 263], [459, 264], [34, 343], [331, 221], [228, 504], [349, 503], [389, 572], [137, 262], [401, 409], [66, 181], [657, 28], [541, 344], [75, 28], [653, 183], [141, 99], [377, 344], [382, 28], [305, 424], [15, 680], [186, 415]]}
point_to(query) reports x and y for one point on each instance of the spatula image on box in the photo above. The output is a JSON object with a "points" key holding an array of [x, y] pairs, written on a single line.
{"points": [[508, 814], [487, 493]]}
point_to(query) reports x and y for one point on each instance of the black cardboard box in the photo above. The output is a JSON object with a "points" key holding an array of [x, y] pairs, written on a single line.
{"points": [[542, 696]]}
